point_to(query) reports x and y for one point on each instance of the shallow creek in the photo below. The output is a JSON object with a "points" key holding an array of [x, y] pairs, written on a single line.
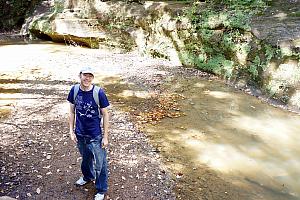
{"points": [[246, 141]]}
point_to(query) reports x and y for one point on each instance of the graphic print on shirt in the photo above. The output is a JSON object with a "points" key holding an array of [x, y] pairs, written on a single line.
{"points": [[84, 108]]}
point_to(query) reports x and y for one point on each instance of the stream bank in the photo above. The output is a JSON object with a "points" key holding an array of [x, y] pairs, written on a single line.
{"points": [[173, 129]]}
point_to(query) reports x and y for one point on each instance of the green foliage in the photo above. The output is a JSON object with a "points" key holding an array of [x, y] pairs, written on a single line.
{"points": [[241, 4], [217, 64], [270, 52], [237, 20], [58, 6], [214, 64], [212, 19], [228, 67], [253, 68], [221, 28], [229, 40], [295, 14]]}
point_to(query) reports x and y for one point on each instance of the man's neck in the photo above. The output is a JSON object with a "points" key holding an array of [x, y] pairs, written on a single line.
{"points": [[86, 88]]}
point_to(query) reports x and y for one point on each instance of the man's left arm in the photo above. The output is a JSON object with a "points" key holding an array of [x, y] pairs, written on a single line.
{"points": [[105, 115]]}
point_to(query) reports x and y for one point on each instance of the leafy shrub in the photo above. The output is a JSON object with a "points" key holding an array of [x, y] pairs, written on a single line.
{"points": [[221, 29]]}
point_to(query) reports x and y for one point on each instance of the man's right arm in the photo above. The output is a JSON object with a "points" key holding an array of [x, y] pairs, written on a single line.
{"points": [[72, 122]]}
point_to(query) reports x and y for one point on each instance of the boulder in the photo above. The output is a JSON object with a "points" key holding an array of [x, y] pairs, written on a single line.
{"points": [[279, 25]]}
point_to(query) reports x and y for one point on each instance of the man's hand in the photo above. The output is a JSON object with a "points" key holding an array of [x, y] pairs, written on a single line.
{"points": [[104, 142], [73, 136]]}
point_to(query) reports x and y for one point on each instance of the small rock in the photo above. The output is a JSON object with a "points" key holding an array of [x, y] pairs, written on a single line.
{"points": [[179, 175]]}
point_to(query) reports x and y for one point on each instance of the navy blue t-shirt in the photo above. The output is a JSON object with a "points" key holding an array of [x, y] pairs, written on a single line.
{"points": [[87, 112]]}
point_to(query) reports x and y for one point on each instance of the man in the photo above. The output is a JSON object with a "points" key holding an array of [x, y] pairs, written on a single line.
{"points": [[91, 142]]}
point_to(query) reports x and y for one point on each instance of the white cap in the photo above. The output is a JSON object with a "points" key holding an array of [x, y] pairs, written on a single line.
{"points": [[87, 70]]}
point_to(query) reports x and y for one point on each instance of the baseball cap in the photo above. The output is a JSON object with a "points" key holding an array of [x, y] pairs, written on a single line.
{"points": [[87, 70]]}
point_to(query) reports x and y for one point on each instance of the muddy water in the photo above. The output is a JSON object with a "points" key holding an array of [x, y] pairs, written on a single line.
{"points": [[249, 143], [250, 146]]}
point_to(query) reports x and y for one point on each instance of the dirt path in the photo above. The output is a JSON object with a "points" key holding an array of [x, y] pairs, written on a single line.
{"points": [[38, 159]]}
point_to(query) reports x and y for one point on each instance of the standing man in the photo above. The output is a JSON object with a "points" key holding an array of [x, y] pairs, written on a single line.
{"points": [[87, 104]]}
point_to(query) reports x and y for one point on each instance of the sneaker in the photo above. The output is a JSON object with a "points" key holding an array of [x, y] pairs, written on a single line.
{"points": [[81, 182], [99, 196]]}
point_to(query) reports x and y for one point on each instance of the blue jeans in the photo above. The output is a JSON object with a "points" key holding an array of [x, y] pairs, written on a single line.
{"points": [[94, 162]]}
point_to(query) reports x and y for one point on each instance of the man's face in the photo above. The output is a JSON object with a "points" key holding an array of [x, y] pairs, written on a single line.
{"points": [[86, 79]]}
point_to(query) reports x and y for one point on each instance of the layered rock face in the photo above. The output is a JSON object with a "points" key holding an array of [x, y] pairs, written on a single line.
{"points": [[155, 28], [111, 24]]}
